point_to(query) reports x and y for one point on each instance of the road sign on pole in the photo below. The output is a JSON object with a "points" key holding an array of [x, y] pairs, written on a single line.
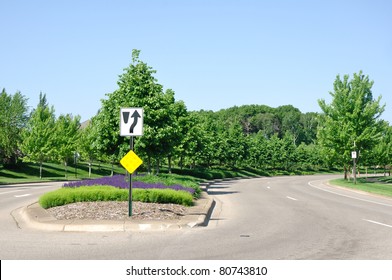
{"points": [[131, 161], [131, 122]]}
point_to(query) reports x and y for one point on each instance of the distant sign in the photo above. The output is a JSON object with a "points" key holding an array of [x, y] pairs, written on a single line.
{"points": [[354, 154], [131, 162], [131, 122]]}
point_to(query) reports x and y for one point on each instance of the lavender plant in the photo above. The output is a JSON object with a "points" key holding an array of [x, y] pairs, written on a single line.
{"points": [[119, 181]]}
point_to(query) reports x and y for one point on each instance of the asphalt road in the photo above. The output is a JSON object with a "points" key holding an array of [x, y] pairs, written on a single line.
{"points": [[266, 218]]}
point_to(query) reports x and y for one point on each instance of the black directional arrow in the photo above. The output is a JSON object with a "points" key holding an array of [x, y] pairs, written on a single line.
{"points": [[135, 117]]}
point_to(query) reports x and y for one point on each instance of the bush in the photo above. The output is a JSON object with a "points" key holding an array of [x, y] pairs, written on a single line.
{"points": [[108, 193], [163, 196], [167, 181]]}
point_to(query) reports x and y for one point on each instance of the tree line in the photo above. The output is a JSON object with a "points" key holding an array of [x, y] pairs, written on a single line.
{"points": [[249, 136]]}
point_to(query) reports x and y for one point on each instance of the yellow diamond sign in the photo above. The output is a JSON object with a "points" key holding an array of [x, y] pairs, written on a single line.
{"points": [[131, 162]]}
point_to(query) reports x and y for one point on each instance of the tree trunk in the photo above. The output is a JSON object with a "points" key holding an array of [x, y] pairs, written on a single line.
{"points": [[345, 172], [169, 162], [40, 169], [182, 162], [149, 165], [89, 169], [158, 163], [65, 168]]}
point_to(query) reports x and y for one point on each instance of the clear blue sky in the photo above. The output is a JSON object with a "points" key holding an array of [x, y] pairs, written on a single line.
{"points": [[213, 54]]}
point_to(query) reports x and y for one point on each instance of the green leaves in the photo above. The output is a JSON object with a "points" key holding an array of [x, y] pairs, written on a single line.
{"points": [[351, 118], [38, 136], [139, 88], [13, 117]]}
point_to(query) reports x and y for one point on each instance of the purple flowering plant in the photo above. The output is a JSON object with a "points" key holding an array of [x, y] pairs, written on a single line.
{"points": [[120, 181]]}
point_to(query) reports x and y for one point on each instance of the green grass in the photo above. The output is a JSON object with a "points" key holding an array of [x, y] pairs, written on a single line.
{"points": [[108, 193], [29, 172], [376, 185], [173, 179]]}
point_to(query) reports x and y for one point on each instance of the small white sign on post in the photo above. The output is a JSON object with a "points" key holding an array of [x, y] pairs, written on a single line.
{"points": [[353, 154], [131, 122]]}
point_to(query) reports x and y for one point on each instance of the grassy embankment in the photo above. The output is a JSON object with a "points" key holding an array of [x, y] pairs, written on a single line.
{"points": [[377, 185], [29, 172]]}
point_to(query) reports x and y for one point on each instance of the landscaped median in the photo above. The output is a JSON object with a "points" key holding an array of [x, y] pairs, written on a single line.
{"points": [[35, 216], [155, 189]]}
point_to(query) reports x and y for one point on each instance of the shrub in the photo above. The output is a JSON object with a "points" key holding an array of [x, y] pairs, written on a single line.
{"points": [[109, 193], [142, 182], [163, 196]]}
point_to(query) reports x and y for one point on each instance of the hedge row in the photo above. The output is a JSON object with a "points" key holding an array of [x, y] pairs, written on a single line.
{"points": [[108, 193]]}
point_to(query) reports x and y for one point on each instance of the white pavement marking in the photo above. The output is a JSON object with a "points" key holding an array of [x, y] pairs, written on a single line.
{"points": [[26, 188], [22, 195], [12, 191], [292, 198], [378, 223], [348, 196]]}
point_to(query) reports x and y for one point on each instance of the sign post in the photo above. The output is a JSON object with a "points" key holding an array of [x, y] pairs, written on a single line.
{"points": [[131, 128], [354, 157], [130, 183]]}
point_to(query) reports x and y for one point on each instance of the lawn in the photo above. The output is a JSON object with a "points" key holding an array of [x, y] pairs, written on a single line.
{"points": [[29, 172], [376, 185]]}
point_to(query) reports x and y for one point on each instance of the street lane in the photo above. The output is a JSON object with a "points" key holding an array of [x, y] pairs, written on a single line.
{"points": [[296, 217], [15, 196]]}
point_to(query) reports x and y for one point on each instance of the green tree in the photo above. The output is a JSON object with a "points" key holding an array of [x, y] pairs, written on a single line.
{"points": [[191, 140], [258, 150], [267, 122], [65, 138], [139, 88], [290, 117], [37, 145], [87, 144], [309, 123], [351, 121], [288, 155], [13, 118], [382, 152]]}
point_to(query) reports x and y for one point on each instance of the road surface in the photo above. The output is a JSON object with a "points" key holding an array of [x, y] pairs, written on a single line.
{"points": [[273, 218]]}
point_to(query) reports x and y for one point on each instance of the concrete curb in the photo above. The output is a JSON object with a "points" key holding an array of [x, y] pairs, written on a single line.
{"points": [[34, 216]]}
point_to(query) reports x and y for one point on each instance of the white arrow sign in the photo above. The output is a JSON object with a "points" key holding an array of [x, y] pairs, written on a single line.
{"points": [[131, 122]]}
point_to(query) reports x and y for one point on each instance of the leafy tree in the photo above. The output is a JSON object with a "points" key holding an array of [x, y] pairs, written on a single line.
{"points": [[351, 121], [65, 138], [87, 144], [382, 152], [309, 122], [206, 146], [267, 122], [37, 145], [139, 88], [176, 128], [274, 148], [13, 118], [258, 150], [234, 149], [288, 151], [191, 140]]}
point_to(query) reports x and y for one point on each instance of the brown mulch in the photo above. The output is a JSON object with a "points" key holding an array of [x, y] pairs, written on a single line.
{"points": [[117, 210]]}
